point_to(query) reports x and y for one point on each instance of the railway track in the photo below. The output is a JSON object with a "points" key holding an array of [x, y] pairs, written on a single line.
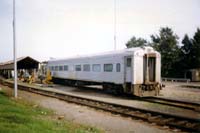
{"points": [[173, 102], [194, 106], [160, 118], [189, 105]]}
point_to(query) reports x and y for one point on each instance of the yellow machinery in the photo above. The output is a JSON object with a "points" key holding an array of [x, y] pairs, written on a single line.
{"points": [[25, 77], [48, 78], [31, 78]]}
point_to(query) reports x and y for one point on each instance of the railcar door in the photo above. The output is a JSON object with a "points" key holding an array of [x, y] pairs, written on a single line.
{"points": [[149, 68], [128, 69], [152, 69]]}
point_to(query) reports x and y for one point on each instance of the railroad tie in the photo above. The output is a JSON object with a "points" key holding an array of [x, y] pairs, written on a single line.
{"points": [[156, 119]]}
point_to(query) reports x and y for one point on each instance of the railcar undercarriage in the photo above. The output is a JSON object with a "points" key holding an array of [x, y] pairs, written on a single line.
{"points": [[140, 90]]}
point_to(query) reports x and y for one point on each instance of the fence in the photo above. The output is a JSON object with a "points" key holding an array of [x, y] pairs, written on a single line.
{"points": [[176, 79]]}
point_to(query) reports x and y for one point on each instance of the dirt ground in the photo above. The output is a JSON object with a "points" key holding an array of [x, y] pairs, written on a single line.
{"points": [[176, 90], [84, 115]]}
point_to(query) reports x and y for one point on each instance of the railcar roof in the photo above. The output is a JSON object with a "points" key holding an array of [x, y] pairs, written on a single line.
{"points": [[118, 52]]}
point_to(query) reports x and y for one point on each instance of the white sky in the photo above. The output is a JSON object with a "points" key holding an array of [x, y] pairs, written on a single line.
{"points": [[62, 28]]}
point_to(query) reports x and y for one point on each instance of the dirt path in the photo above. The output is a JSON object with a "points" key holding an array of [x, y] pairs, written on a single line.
{"points": [[85, 115], [176, 90]]}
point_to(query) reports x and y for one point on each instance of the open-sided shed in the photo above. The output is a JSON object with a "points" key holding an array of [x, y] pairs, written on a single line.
{"points": [[22, 63], [25, 63]]}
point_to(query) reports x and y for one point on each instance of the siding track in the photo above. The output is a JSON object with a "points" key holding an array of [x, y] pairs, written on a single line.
{"points": [[173, 102]]}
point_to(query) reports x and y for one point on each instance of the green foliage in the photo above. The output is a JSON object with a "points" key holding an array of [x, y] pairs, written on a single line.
{"points": [[136, 42], [196, 50], [167, 44], [190, 53], [175, 60], [20, 117], [187, 45], [186, 53]]}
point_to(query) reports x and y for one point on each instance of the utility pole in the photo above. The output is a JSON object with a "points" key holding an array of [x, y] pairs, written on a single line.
{"points": [[115, 15], [14, 52]]}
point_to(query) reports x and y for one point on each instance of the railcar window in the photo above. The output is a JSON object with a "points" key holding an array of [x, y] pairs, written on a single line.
{"points": [[96, 67], [60, 68], [52, 68], [128, 62], [108, 67], [86, 67], [118, 67], [56, 68], [65, 68], [78, 68]]}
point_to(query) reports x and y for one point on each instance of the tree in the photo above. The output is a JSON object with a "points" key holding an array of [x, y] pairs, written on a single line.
{"points": [[189, 57], [136, 42], [186, 53], [167, 44], [196, 50], [184, 59], [187, 47]]}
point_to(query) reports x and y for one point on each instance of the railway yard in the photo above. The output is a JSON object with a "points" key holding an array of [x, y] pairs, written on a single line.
{"points": [[176, 109], [100, 66], [109, 91]]}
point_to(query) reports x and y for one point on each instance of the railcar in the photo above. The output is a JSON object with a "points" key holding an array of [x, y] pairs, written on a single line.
{"points": [[135, 71]]}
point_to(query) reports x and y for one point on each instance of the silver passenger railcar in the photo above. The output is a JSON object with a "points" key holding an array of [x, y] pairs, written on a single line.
{"points": [[134, 71]]}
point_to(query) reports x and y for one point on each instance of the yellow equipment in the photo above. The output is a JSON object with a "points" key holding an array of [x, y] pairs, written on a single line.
{"points": [[48, 78], [31, 78], [25, 77]]}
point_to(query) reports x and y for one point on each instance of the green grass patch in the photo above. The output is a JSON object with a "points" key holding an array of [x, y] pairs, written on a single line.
{"points": [[18, 116]]}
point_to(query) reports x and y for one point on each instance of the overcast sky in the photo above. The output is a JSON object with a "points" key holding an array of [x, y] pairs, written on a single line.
{"points": [[62, 28]]}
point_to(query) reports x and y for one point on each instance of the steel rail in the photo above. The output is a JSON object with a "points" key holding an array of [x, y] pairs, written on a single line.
{"points": [[194, 106], [173, 102]]}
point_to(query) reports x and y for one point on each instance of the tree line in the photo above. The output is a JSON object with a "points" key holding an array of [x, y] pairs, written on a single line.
{"points": [[176, 59]]}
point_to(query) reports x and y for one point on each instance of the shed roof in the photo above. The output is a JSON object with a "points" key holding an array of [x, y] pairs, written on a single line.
{"points": [[22, 63]]}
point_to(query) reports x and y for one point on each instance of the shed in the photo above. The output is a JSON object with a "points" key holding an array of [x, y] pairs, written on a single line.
{"points": [[22, 63], [194, 74], [25, 63]]}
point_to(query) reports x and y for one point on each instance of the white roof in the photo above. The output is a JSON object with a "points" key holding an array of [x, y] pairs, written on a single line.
{"points": [[124, 51]]}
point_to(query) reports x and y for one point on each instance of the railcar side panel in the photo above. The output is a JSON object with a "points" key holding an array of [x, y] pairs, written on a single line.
{"points": [[98, 76], [138, 68]]}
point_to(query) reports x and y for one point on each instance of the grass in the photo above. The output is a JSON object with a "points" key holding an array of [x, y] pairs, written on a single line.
{"points": [[18, 116]]}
